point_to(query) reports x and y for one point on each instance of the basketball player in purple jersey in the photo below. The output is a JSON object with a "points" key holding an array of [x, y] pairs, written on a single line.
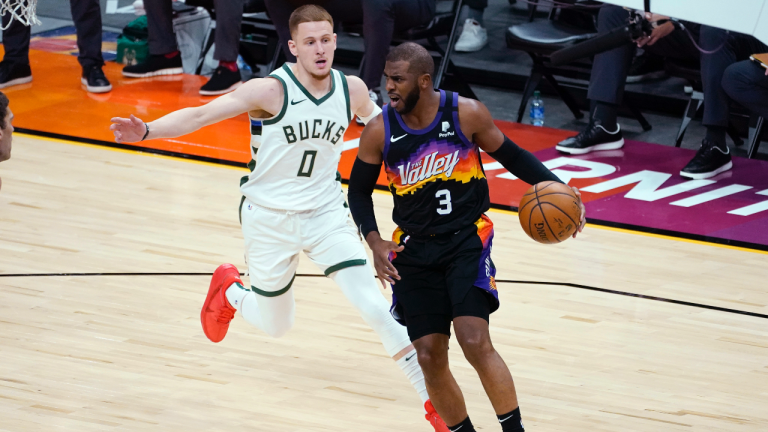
{"points": [[439, 261]]}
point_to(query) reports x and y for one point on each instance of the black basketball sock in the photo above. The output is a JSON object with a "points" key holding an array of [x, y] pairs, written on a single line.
{"points": [[604, 114], [511, 421], [465, 426], [716, 135]]}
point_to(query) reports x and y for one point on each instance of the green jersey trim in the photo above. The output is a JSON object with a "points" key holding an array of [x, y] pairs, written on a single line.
{"points": [[278, 117], [273, 293], [346, 94], [304, 90], [344, 264]]}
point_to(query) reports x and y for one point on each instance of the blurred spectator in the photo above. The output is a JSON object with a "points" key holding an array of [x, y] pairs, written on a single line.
{"points": [[473, 36], [714, 156], [609, 74], [381, 19], [746, 82], [14, 69], [165, 58], [6, 130]]}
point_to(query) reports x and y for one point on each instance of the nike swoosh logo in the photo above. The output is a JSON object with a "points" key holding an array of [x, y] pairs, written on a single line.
{"points": [[408, 358], [454, 430], [502, 421], [393, 139], [293, 102]]}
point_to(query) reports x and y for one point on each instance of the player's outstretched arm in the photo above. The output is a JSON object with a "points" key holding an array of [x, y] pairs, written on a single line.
{"points": [[263, 94], [362, 181], [360, 103], [518, 161]]}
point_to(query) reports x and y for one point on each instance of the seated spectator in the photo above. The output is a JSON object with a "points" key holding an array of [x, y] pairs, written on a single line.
{"points": [[746, 82], [14, 69], [165, 58], [381, 19], [609, 72], [6, 130], [473, 36]]}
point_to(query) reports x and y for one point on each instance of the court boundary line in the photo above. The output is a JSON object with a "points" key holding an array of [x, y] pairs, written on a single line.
{"points": [[509, 281], [616, 226]]}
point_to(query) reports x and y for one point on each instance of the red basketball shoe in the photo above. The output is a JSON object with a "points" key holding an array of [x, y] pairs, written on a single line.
{"points": [[434, 418], [217, 312]]}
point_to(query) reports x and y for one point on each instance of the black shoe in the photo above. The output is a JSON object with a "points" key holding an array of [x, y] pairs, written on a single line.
{"points": [[645, 68], [222, 81], [374, 95], [594, 138], [709, 161], [95, 81], [14, 74], [154, 66]]}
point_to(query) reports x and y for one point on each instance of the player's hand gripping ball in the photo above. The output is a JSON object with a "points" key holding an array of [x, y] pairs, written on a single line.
{"points": [[550, 212]]}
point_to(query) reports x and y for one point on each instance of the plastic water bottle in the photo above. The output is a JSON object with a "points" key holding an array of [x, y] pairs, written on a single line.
{"points": [[537, 109]]}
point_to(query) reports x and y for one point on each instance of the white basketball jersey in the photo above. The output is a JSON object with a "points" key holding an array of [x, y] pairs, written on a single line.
{"points": [[296, 153]]}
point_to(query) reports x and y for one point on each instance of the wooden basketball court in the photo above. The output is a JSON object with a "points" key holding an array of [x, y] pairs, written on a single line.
{"points": [[126, 352]]}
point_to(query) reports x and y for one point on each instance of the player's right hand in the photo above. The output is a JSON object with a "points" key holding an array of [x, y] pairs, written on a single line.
{"points": [[128, 130], [381, 249]]}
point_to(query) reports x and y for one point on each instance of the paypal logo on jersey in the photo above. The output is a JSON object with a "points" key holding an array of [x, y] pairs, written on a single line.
{"points": [[428, 167], [445, 133]]}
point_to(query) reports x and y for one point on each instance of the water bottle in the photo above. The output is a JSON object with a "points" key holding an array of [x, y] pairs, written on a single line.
{"points": [[537, 109]]}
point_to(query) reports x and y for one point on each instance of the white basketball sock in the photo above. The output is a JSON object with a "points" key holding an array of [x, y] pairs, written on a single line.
{"points": [[235, 295], [410, 366]]}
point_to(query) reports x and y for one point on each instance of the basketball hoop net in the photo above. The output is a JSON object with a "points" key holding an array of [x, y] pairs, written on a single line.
{"points": [[21, 10]]}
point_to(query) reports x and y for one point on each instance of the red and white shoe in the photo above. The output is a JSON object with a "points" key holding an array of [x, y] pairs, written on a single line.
{"points": [[217, 312], [434, 418]]}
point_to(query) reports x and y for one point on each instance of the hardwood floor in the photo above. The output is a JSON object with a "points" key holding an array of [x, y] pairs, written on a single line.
{"points": [[126, 353]]}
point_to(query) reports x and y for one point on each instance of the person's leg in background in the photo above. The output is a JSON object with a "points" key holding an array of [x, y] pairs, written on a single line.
{"points": [[381, 18], [14, 69], [746, 83], [164, 56], [714, 156], [473, 36], [279, 12], [606, 90], [87, 17], [609, 74], [226, 77]]}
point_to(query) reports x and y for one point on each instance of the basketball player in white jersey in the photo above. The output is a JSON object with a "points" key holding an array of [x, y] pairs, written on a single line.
{"points": [[292, 200]]}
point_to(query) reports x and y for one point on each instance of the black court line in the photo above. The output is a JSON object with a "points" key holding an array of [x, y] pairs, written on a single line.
{"points": [[565, 284], [179, 155]]}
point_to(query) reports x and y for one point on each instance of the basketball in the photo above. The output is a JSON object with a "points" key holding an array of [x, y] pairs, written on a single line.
{"points": [[549, 212]]}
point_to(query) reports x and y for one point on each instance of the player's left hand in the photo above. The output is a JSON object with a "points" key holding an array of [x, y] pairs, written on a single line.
{"points": [[128, 129], [583, 220]]}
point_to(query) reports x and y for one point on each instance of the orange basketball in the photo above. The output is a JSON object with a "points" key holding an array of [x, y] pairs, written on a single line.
{"points": [[549, 212]]}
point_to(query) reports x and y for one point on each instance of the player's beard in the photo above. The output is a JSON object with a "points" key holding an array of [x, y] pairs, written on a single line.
{"points": [[410, 101]]}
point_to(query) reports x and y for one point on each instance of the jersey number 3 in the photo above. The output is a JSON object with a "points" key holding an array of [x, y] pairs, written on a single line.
{"points": [[307, 163], [445, 204]]}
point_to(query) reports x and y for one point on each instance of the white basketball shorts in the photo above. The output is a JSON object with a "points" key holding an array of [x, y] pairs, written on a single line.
{"points": [[274, 239]]}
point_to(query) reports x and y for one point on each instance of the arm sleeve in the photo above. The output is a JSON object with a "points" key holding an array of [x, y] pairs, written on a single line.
{"points": [[361, 184], [522, 164]]}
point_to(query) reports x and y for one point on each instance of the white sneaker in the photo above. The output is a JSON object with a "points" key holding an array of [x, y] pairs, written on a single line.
{"points": [[473, 37]]}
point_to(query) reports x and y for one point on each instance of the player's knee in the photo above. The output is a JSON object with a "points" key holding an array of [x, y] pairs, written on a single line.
{"points": [[432, 359], [477, 347], [279, 328]]}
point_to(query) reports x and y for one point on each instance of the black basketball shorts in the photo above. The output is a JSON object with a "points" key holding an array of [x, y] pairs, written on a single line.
{"points": [[443, 277]]}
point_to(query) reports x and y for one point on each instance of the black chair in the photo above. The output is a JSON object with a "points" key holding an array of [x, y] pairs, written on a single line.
{"points": [[755, 132], [691, 72], [563, 28]]}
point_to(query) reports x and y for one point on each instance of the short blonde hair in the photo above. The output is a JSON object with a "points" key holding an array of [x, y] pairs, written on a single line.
{"points": [[307, 13]]}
